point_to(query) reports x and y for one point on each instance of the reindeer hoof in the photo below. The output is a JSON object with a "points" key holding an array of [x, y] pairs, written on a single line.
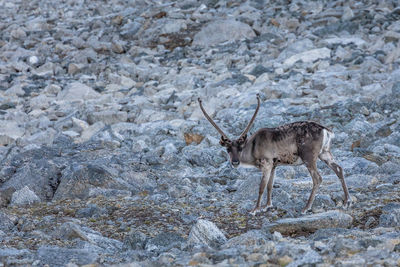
{"points": [[255, 211], [348, 204], [267, 208], [305, 211]]}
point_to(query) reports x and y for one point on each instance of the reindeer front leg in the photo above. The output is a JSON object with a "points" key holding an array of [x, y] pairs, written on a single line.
{"points": [[266, 167]]}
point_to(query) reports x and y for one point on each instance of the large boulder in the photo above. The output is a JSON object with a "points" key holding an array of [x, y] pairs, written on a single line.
{"points": [[221, 31], [81, 181], [39, 174]]}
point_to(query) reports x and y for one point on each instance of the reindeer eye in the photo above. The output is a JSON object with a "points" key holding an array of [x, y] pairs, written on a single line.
{"points": [[229, 149]]}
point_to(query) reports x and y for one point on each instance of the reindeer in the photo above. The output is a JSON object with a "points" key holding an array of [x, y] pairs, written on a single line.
{"points": [[290, 144]]}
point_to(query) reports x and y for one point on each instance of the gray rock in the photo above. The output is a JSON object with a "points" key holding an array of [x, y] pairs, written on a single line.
{"points": [[46, 69], [396, 90], [10, 131], [311, 223], [390, 215], [309, 258], [74, 68], [6, 224], [203, 157], [77, 91], [24, 196], [72, 231], [13, 256], [91, 211], [206, 233], [345, 41], [164, 242], [222, 31], [18, 33], [78, 180], [57, 256], [249, 239], [129, 30], [173, 26], [344, 246], [308, 56], [90, 131], [40, 138], [135, 240], [117, 47], [40, 174], [108, 117]]}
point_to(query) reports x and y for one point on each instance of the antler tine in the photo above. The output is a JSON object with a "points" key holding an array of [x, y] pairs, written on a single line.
{"points": [[252, 119], [211, 120]]}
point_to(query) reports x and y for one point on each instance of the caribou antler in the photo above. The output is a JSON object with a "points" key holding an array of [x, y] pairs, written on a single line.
{"points": [[252, 119], [211, 120]]}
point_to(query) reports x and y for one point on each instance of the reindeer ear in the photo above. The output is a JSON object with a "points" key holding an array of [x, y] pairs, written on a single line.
{"points": [[224, 141], [243, 139]]}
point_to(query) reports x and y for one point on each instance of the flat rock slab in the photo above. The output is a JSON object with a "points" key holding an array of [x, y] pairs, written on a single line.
{"points": [[221, 31], [308, 56], [311, 223]]}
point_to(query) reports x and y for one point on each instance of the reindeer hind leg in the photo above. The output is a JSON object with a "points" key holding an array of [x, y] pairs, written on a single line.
{"points": [[327, 157]]}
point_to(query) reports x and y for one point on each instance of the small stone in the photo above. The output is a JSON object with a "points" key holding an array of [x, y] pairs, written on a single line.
{"points": [[108, 117], [364, 111], [78, 42], [206, 233], [33, 60], [257, 257], [347, 13], [117, 47], [18, 33], [308, 56], [6, 223], [191, 137], [24, 196], [90, 131], [396, 90], [173, 26], [79, 125], [164, 242], [52, 89], [46, 69], [285, 260], [10, 131], [117, 20], [15, 90], [77, 91], [390, 215], [71, 134], [74, 68], [135, 240], [221, 31]]}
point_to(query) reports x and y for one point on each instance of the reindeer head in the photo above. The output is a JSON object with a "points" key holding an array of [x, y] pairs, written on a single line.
{"points": [[234, 147]]}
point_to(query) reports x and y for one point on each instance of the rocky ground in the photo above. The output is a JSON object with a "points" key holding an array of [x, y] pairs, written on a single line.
{"points": [[106, 158]]}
